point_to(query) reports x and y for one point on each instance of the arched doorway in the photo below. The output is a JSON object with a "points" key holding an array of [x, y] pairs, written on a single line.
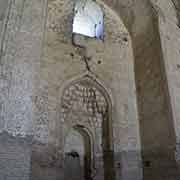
{"points": [[78, 154], [85, 104]]}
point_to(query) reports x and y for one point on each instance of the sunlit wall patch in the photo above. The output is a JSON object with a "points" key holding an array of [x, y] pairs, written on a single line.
{"points": [[88, 19]]}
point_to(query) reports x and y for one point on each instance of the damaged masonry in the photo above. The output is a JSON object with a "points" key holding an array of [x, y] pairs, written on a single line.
{"points": [[89, 90]]}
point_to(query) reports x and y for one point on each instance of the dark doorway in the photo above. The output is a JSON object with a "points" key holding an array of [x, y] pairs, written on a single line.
{"points": [[78, 155]]}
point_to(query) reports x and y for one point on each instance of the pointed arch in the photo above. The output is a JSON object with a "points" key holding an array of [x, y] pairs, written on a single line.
{"points": [[92, 99]]}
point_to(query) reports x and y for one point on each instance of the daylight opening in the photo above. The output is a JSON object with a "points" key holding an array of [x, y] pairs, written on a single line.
{"points": [[88, 19]]}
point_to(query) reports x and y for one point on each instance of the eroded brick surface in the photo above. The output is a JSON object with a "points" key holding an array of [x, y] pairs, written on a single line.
{"points": [[39, 97]]}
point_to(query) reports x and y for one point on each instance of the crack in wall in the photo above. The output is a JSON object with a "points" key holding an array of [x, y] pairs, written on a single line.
{"points": [[82, 52]]}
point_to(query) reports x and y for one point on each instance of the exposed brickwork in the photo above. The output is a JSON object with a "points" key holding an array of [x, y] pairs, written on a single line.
{"points": [[15, 157], [34, 98]]}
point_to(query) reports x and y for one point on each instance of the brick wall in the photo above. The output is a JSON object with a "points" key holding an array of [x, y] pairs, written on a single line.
{"points": [[15, 156]]}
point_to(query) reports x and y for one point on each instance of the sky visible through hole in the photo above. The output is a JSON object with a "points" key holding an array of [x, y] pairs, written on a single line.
{"points": [[88, 19]]}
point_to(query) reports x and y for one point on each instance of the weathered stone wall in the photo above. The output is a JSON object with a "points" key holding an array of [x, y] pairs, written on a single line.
{"points": [[3, 82], [170, 35], [20, 64], [155, 115], [31, 89], [15, 157], [157, 128], [156, 122], [149, 74], [22, 33], [176, 4], [111, 64], [3, 16]]}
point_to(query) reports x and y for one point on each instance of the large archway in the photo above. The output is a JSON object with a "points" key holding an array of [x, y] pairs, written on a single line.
{"points": [[142, 17], [85, 104]]}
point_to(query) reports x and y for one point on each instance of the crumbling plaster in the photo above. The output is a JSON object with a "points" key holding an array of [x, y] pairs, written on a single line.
{"points": [[110, 61], [22, 35]]}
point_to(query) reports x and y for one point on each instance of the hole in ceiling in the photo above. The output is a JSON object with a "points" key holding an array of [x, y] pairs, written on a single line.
{"points": [[88, 19]]}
